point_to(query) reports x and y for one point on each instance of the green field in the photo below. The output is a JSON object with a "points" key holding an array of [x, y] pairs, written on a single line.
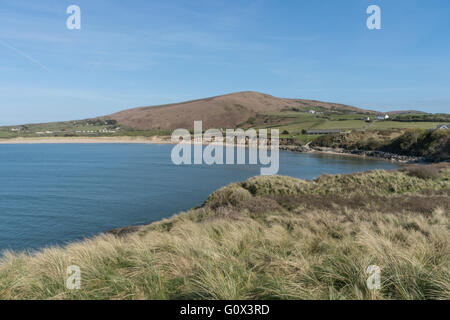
{"points": [[79, 128], [292, 124], [382, 125]]}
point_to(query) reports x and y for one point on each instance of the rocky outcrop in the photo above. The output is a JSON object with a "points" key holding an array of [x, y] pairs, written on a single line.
{"points": [[361, 153], [295, 148], [372, 154]]}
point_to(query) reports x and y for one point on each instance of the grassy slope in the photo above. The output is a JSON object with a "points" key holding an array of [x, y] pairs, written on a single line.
{"points": [[79, 128], [297, 121], [271, 238], [292, 124], [292, 121]]}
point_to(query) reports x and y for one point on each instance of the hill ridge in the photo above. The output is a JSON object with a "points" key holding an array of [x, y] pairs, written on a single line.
{"points": [[222, 111]]}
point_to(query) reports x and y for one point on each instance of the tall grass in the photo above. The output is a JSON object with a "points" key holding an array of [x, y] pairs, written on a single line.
{"points": [[255, 241]]}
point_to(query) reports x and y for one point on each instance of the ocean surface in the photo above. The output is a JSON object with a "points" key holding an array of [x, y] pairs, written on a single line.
{"points": [[58, 193]]}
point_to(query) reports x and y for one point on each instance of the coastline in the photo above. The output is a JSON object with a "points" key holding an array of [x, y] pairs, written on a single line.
{"points": [[143, 250], [377, 155], [373, 155], [74, 140]]}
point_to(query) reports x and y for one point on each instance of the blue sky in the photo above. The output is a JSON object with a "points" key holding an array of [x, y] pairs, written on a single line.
{"points": [[136, 53]]}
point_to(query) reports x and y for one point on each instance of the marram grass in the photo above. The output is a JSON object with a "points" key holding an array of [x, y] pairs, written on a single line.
{"points": [[266, 238]]}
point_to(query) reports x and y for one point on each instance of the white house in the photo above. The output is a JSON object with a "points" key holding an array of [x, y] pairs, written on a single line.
{"points": [[443, 126], [385, 117], [312, 111]]}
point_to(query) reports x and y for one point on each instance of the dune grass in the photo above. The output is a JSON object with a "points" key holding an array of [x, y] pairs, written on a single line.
{"points": [[267, 238]]}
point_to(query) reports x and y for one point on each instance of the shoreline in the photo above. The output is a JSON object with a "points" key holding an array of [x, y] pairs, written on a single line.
{"points": [[372, 155], [125, 250], [74, 140], [375, 155]]}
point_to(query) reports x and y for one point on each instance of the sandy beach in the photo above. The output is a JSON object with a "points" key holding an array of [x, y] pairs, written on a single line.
{"points": [[123, 139], [56, 140]]}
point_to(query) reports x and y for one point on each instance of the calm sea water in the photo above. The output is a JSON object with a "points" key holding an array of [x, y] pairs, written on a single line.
{"points": [[54, 194]]}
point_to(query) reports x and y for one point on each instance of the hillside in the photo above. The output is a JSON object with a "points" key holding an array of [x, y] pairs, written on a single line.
{"points": [[298, 121], [432, 145], [226, 111], [267, 238], [292, 117]]}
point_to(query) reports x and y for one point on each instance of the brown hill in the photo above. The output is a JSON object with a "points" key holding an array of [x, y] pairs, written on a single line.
{"points": [[226, 111]]}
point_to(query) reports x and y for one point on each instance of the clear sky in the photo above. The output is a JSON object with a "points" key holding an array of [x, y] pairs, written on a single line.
{"points": [[147, 52]]}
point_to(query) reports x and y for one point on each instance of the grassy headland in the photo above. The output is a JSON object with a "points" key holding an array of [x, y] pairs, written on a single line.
{"points": [[432, 145], [267, 238]]}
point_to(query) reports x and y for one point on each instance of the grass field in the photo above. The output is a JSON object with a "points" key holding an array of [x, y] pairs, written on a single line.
{"points": [[294, 122], [79, 128], [267, 238], [383, 125], [346, 124]]}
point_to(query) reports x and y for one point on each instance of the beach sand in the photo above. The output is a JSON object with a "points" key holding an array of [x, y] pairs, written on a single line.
{"points": [[55, 140]]}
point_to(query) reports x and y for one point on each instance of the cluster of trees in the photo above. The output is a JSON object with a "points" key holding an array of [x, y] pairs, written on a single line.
{"points": [[443, 117], [101, 122], [431, 144]]}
